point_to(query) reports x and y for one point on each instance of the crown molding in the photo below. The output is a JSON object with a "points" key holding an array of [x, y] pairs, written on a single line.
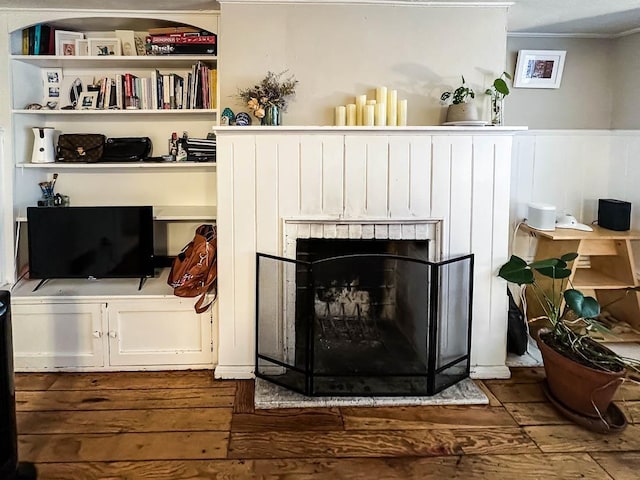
{"points": [[412, 3], [562, 35]]}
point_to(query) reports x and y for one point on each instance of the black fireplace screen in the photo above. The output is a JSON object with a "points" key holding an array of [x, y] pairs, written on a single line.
{"points": [[363, 324]]}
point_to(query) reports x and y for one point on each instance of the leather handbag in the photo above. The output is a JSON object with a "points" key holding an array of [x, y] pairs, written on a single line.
{"points": [[127, 149], [80, 147]]}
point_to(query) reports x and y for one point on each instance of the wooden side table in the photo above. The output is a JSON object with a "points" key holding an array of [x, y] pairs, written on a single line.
{"points": [[612, 268]]}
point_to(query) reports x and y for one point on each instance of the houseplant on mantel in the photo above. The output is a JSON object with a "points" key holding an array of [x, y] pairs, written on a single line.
{"points": [[582, 375], [498, 91], [270, 97], [461, 108]]}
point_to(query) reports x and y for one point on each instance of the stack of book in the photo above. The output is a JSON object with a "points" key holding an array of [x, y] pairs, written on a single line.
{"points": [[200, 149], [38, 40], [181, 41]]}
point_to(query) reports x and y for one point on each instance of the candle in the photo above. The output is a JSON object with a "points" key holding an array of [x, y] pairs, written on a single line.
{"points": [[381, 95], [361, 101], [369, 115], [380, 114], [351, 114], [341, 116], [402, 113], [392, 105]]}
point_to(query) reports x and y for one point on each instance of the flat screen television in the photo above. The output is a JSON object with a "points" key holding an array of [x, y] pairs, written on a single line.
{"points": [[90, 242]]}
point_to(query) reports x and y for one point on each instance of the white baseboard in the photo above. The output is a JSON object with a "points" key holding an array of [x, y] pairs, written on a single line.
{"points": [[481, 372], [234, 372]]}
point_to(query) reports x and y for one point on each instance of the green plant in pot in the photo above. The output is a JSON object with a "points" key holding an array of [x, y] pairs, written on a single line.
{"points": [[498, 91], [582, 374], [461, 107]]}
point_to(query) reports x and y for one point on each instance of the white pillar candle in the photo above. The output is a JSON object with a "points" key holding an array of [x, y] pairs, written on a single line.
{"points": [[402, 113], [369, 115], [341, 116], [361, 101], [381, 95], [392, 105], [381, 114], [351, 114]]}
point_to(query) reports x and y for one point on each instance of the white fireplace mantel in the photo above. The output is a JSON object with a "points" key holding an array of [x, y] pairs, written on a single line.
{"points": [[458, 176]]}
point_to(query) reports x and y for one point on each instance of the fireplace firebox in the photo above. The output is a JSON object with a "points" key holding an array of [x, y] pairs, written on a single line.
{"points": [[381, 322]]}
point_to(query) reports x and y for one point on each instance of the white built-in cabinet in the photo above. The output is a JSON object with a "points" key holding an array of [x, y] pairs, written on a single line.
{"points": [[77, 324]]}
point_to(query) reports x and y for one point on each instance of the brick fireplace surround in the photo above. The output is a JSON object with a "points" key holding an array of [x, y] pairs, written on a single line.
{"points": [[446, 184]]}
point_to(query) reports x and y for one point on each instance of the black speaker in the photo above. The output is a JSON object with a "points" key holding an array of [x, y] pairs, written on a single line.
{"points": [[10, 469], [614, 214]]}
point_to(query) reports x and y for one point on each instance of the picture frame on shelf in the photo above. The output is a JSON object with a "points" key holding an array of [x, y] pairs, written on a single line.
{"points": [[66, 42], [101, 47], [51, 87], [539, 68], [87, 101], [82, 48], [127, 42]]}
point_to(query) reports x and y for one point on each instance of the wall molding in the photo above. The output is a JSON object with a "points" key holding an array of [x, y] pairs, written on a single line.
{"points": [[389, 3]]}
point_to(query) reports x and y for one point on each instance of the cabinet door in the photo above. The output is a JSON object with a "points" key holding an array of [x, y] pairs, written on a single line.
{"points": [[57, 335], [159, 332]]}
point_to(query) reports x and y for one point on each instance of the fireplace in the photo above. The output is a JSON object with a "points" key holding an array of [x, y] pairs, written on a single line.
{"points": [[363, 317]]}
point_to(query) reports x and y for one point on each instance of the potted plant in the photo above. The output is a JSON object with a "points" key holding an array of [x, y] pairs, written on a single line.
{"points": [[582, 374], [461, 107], [270, 97], [498, 91]]}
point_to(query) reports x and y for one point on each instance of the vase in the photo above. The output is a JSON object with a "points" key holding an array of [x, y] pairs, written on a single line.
{"points": [[272, 116], [462, 112], [497, 114]]}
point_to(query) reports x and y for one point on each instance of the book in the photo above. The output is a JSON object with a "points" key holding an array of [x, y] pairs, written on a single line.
{"points": [[25, 41], [188, 40], [181, 49], [177, 29], [37, 32]]}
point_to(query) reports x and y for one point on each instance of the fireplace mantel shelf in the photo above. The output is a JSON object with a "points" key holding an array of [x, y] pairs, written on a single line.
{"points": [[435, 129]]}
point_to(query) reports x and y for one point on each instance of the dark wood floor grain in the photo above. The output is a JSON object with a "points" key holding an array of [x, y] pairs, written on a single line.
{"points": [[186, 425]]}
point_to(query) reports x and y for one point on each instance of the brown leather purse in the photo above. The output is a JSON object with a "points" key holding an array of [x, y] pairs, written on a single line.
{"points": [[80, 147]]}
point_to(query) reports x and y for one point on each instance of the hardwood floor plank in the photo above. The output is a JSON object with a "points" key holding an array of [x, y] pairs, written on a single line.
{"points": [[124, 399], [535, 413], [120, 421], [427, 417], [628, 391], [296, 419], [572, 438], [122, 447], [621, 466], [517, 392], [245, 391], [493, 400], [522, 375], [140, 380], [35, 381], [379, 443]]}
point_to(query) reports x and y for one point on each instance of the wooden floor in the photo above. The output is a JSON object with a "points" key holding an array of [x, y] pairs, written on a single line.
{"points": [[184, 425]]}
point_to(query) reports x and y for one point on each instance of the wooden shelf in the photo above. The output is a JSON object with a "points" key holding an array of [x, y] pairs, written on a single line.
{"points": [[174, 111], [590, 279], [166, 213], [598, 233], [120, 166], [93, 62]]}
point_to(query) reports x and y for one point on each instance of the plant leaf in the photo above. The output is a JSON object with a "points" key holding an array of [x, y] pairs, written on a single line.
{"points": [[584, 307], [517, 271], [556, 273], [501, 86], [567, 257], [547, 262]]}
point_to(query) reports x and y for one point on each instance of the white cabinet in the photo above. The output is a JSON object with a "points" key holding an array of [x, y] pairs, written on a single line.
{"points": [[105, 335]]}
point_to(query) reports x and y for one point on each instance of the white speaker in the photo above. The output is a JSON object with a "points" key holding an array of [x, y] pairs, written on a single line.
{"points": [[541, 216]]}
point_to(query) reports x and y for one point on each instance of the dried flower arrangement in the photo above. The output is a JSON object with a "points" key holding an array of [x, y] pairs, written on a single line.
{"points": [[270, 91]]}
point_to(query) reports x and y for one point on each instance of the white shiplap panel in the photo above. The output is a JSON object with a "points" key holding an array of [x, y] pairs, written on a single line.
{"points": [[244, 239], [549, 176], [267, 211], [355, 161], [420, 180], [378, 177], [595, 166], [311, 187], [523, 163], [226, 253], [462, 159], [440, 186], [332, 174], [399, 176], [619, 157], [496, 324], [288, 175]]}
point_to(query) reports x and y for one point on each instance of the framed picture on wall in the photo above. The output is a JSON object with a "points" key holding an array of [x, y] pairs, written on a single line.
{"points": [[539, 68]]}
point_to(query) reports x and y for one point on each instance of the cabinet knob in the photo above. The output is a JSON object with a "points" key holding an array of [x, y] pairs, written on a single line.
{"points": [[97, 334], [112, 333]]}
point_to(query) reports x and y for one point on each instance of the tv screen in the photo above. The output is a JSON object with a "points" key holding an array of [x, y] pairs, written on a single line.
{"points": [[84, 242]]}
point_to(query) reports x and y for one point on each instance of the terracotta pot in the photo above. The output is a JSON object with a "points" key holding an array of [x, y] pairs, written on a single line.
{"points": [[460, 112], [578, 387]]}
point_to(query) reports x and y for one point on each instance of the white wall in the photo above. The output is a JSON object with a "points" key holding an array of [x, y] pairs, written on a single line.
{"points": [[585, 96], [625, 70], [338, 51]]}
